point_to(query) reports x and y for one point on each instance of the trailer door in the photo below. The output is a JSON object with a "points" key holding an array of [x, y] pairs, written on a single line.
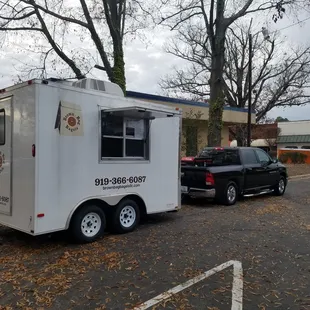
{"points": [[6, 155]]}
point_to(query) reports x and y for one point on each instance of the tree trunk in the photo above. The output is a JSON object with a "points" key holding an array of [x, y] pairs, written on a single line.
{"points": [[118, 70], [240, 135], [217, 99]]}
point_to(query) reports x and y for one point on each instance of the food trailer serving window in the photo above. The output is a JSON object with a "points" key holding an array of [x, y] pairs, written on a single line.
{"points": [[125, 132]]}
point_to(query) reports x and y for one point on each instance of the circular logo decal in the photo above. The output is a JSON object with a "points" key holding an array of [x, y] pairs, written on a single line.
{"points": [[72, 121]]}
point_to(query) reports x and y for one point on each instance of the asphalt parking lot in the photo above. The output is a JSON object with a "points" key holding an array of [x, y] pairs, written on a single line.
{"points": [[268, 235]]}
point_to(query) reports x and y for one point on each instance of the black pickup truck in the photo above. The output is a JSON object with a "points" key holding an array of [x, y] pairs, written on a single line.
{"points": [[232, 172]]}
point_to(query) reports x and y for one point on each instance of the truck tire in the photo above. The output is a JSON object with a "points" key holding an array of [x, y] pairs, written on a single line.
{"points": [[126, 216], [88, 224], [280, 188], [230, 194]]}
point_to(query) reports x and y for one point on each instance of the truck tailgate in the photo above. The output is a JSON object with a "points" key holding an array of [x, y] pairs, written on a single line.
{"points": [[194, 177]]}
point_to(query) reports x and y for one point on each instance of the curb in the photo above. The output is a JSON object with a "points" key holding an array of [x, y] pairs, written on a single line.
{"points": [[301, 176]]}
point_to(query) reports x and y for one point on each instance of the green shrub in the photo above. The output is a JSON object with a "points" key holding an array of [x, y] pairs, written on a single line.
{"points": [[294, 157]]}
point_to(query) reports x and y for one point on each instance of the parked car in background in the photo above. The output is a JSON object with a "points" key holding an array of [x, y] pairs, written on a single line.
{"points": [[230, 172]]}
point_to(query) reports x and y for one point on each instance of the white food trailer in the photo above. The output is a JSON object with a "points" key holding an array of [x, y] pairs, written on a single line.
{"points": [[83, 157]]}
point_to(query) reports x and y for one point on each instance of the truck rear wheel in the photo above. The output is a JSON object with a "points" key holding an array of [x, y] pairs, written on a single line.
{"points": [[126, 216], [88, 224], [230, 194]]}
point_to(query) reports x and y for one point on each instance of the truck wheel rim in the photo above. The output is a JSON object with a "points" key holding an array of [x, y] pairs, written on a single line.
{"points": [[231, 193], [281, 185], [128, 216], [91, 224]]}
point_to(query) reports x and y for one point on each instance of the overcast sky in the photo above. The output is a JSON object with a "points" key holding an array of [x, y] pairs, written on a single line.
{"points": [[146, 65]]}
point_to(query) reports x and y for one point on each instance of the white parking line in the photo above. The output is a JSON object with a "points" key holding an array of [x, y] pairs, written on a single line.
{"points": [[237, 286]]}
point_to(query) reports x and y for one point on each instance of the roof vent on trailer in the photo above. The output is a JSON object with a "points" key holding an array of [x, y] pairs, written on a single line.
{"points": [[104, 86]]}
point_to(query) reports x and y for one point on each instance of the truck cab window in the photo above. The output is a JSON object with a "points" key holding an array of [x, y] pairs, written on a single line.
{"points": [[123, 137], [262, 156], [249, 157], [2, 127]]}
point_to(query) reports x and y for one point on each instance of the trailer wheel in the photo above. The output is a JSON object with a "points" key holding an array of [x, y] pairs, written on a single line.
{"points": [[126, 216], [88, 224]]}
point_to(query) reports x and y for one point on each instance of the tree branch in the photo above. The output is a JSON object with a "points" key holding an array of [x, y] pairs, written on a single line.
{"points": [[59, 52], [96, 39], [54, 14]]}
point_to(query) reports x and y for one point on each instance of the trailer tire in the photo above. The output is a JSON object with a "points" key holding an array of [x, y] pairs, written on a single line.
{"points": [[126, 216], [88, 224]]}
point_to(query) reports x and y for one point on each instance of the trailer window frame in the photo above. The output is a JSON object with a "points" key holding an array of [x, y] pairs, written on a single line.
{"points": [[3, 132], [125, 138]]}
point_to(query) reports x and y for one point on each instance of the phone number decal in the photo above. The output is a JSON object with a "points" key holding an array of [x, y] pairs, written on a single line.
{"points": [[119, 180]]}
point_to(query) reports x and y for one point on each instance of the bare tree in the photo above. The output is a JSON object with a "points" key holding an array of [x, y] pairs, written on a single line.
{"points": [[279, 79], [191, 140], [100, 23], [272, 141], [239, 132], [207, 22]]}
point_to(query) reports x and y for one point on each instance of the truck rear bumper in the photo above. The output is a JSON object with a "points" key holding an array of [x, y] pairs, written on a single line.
{"points": [[200, 193]]}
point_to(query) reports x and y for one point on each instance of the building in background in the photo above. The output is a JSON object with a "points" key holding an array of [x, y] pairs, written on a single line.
{"points": [[264, 136], [195, 120], [294, 141], [294, 135]]}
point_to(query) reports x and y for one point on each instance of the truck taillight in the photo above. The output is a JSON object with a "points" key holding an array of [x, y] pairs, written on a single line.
{"points": [[187, 158], [209, 179]]}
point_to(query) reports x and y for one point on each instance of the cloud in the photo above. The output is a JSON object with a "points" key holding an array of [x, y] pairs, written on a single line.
{"points": [[292, 114], [152, 63]]}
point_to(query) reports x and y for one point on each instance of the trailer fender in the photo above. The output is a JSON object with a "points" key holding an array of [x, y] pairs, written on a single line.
{"points": [[109, 200]]}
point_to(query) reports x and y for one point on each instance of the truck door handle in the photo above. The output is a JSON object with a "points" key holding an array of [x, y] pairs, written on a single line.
{"points": [[262, 169]]}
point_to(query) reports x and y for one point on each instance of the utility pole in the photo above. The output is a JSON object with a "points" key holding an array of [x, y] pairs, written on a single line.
{"points": [[250, 91], [249, 123]]}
